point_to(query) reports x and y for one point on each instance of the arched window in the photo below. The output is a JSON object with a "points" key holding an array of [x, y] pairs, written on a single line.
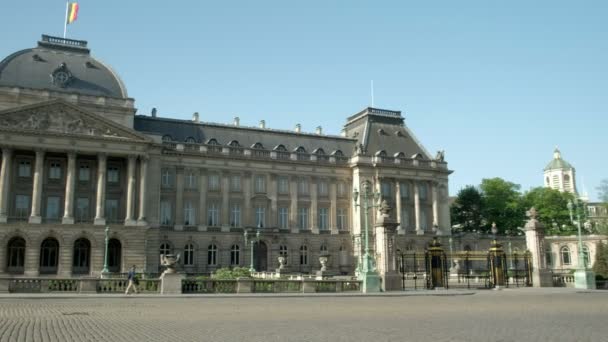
{"points": [[214, 146], [283, 253], [586, 258], [257, 146], [235, 255], [400, 155], [565, 252], [549, 257], [303, 255], [321, 156], [212, 255], [190, 140], [338, 153], [323, 248], [49, 256], [343, 256], [302, 155], [282, 152], [81, 259], [234, 143], [259, 151], [15, 255], [189, 255], [165, 248], [167, 138], [381, 153], [280, 148], [114, 255]]}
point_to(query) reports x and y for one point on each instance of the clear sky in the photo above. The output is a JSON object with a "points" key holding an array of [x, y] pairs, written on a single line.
{"points": [[496, 84]]}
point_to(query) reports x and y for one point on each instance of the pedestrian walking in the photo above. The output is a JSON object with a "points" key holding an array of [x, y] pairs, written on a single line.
{"points": [[133, 281]]}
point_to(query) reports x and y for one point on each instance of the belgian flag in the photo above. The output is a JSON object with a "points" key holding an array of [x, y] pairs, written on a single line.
{"points": [[72, 12]]}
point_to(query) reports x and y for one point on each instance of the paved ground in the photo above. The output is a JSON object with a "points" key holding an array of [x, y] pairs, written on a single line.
{"points": [[509, 315]]}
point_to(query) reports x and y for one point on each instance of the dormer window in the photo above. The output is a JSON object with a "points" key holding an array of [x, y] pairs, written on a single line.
{"points": [[282, 152], [214, 146], [302, 155], [190, 140], [167, 138], [259, 151]]}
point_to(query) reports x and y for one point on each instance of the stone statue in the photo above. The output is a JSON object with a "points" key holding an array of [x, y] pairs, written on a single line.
{"points": [[169, 261], [323, 261], [282, 262], [385, 208], [440, 156]]}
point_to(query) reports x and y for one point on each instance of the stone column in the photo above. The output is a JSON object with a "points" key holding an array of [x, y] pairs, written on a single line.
{"points": [[202, 201], [7, 154], [535, 240], [333, 206], [272, 194], [143, 183], [225, 209], [179, 198], [293, 206], [314, 203], [100, 202], [37, 188], [399, 209], [419, 230], [130, 216], [385, 229], [68, 206], [435, 208], [247, 217]]}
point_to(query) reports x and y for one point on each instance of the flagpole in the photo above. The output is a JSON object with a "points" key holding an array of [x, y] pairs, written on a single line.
{"points": [[65, 22]]}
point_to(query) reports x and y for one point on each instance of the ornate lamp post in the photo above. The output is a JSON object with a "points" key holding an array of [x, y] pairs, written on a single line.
{"points": [[251, 242], [105, 270], [367, 274], [583, 278]]}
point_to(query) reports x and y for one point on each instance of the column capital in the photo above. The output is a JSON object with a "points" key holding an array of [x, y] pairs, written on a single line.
{"points": [[144, 158], [6, 149], [132, 157], [102, 156]]}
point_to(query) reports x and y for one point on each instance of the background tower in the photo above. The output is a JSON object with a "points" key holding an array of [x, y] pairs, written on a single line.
{"points": [[559, 174]]}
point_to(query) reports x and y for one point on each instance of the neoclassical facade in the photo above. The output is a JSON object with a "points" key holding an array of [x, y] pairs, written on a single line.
{"points": [[77, 158]]}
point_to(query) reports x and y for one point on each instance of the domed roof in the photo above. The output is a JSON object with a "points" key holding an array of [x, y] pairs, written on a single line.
{"points": [[60, 64], [558, 163]]}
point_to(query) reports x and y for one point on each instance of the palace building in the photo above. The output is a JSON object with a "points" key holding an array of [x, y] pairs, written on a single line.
{"points": [[77, 158]]}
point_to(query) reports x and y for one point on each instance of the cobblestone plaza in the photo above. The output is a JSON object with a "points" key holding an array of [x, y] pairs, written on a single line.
{"points": [[509, 315]]}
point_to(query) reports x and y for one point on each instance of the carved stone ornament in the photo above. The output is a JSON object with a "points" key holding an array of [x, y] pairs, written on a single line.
{"points": [[62, 76]]}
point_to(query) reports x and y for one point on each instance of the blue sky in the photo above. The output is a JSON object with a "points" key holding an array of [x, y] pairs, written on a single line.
{"points": [[496, 84]]}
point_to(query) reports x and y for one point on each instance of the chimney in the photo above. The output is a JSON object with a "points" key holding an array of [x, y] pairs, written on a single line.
{"points": [[298, 128], [195, 117], [262, 124], [236, 121], [343, 132], [153, 112], [319, 130]]}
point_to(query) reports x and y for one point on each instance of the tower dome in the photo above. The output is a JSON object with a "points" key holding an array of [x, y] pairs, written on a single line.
{"points": [[559, 174], [62, 65]]}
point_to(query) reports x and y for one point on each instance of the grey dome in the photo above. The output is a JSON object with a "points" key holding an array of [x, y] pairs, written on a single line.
{"points": [[60, 64]]}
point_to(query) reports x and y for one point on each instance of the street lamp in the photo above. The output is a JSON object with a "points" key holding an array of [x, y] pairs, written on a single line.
{"points": [[367, 274], [583, 278], [251, 242], [105, 270]]}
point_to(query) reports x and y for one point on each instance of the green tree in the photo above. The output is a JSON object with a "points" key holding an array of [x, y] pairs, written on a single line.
{"points": [[502, 204], [552, 207], [600, 266], [467, 209]]}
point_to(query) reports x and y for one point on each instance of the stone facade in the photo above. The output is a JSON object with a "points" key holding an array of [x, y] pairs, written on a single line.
{"points": [[74, 162]]}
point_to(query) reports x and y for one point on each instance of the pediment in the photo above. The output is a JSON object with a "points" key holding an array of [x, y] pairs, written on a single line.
{"points": [[59, 117]]}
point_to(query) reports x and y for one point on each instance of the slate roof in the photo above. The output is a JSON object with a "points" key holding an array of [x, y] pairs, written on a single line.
{"points": [[32, 68], [558, 163]]}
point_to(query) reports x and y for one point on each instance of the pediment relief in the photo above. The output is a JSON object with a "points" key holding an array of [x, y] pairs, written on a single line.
{"points": [[59, 117]]}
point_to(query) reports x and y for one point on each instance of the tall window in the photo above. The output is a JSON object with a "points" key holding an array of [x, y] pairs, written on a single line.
{"points": [[283, 217], [260, 184], [165, 248], [214, 182], [303, 217], [166, 178], [22, 206], [422, 191], [213, 215], [423, 220], [191, 180], [341, 219], [16, 255], [404, 190], [25, 169], [549, 257], [565, 252], [260, 216], [212, 255], [49, 256], [283, 185], [112, 210], [283, 253], [303, 255], [189, 219], [114, 255], [405, 218], [55, 171], [235, 215], [235, 255], [385, 188], [52, 208], [82, 209], [303, 186], [323, 249], [235, 183], [112, 174], [81, 257], [341, 189], [84, 173], [323, 188], [165, 213], [323, 218], [189, 255]]}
